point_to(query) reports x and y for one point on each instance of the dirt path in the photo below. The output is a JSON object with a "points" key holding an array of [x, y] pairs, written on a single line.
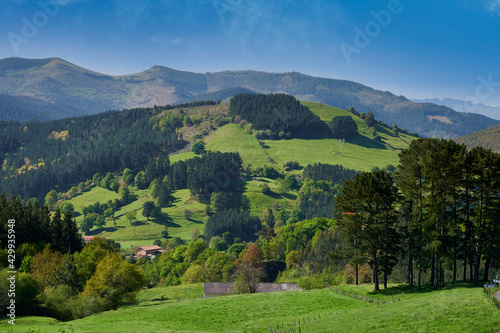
{"points": [[497, 295]]}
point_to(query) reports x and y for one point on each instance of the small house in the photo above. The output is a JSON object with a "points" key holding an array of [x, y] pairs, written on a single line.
{"points": [[149, 251]]}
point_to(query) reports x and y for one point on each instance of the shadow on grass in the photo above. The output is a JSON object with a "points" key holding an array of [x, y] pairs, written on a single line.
{"points": [[166, 221], [99, 230], [138, 223], [193, 221], [363, 141], [289, 196], [425, 288]]}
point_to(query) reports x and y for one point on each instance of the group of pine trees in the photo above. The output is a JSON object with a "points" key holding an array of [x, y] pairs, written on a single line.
{"points": [[278, 113], [37, 157], [440, 208], [211, 172]]}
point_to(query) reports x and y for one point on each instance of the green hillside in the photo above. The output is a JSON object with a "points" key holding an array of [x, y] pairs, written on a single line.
{"points": [[361, 153], [488, 138], [459, 308]]}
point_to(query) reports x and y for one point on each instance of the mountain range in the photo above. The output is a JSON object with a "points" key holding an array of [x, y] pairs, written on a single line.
{"points": [[53, 88], [464, 106]]}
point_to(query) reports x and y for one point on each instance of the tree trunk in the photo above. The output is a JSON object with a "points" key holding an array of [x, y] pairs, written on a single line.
{"points": [[471, 270], [386, 264], [356, 274], [436, 272], [442, 276], [455, 264], [432, 271], [375, 272], [486, 270], [477, 263], [419, 268], [410, 269], [465, 259]]}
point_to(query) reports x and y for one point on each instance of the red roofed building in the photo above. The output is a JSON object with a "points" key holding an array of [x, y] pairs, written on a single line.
{"points": [[87, 239], [149, 251]]}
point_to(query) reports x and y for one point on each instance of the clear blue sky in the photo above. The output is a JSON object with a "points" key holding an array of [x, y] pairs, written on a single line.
{"points": [[421, 49]]}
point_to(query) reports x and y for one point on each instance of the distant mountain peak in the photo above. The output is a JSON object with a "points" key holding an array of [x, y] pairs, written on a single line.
{"points": [[74, 91]]}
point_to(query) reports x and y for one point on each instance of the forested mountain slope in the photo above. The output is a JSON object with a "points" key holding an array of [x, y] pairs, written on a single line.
{"points": [[78, 91]]}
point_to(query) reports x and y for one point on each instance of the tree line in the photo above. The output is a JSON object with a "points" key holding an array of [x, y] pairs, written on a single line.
{"points": [[278, 113], [36, 157], [440, 209]]}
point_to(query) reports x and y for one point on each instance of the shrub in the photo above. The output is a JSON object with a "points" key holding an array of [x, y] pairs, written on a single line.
{"points": [[194, 274], [293, 165], [198, 148], [265, 188], [310, 282]]}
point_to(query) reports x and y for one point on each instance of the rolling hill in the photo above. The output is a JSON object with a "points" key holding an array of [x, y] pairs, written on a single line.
{"points": [[77, 91], [361, 153], [488, 138]]}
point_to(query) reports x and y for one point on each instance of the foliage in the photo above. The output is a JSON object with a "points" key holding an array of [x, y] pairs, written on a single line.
{"points": [[115, 280], [198, 148], [194, 274], [206, 174], [222, 201], [336, 174], [343, 127], [277, 113], [239, 223], [291, 182], [265, 189], [102, 143], [365, 213], [249, 272]]}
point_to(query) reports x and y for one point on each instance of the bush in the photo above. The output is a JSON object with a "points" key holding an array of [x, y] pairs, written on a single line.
{"points": [[293, 165], [291, 182], [164, 233], [198, 148], [187, 214], [343, 127], [265, 189], [194, 274], [310, 282]]}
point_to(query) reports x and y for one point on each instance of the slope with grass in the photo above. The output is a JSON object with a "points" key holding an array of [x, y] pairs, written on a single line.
{"points": [[361, 153], [455, 308], [488, 138], [143, 232], [459, 308]]}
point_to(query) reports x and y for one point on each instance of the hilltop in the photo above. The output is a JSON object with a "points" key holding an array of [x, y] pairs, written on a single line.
{"points": [[77, 91]]}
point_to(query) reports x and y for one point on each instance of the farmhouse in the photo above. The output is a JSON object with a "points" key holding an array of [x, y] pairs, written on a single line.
{"points": [[87, 239], [148, 251]]}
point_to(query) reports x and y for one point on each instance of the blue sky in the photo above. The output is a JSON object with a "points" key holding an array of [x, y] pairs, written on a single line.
{"points": [[445, 48]]}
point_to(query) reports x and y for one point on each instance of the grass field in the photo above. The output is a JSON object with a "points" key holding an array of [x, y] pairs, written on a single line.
{"points": [[143, 232], [260, 201], [232, 138], [459, 308], [361, 153]]}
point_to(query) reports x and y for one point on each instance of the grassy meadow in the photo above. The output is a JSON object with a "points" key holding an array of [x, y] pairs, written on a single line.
{"points": [[456, 308]]}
